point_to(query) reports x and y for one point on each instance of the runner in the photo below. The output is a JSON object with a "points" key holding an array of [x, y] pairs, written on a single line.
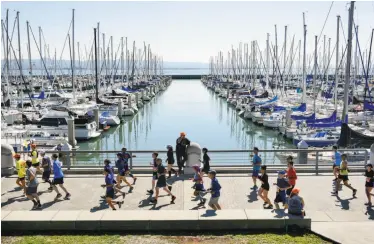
{"points": [[198, 186], [265, 187], [154, 174], [58, 178], [206, 162], [126, 157], [21, 171], [256, 162], [35, 157], [122, 167], [214, 190], [32, 185], [282, 185], [291, 175], [369, 184], [47, 167], [161, 182], [343, 176], [111, 171], [170, 161], [296, 203], [337, 160], [110, 189]]}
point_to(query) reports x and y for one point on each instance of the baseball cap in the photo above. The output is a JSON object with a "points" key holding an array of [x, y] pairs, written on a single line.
{"points": [[281, 172]]}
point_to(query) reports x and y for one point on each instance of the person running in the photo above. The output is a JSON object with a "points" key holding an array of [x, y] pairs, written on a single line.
{"points": [[291, 175], [198, 185], [32, 185], [343, 176], [282, 186], [206, 162], [111, 171], [126, 156], [181, 150], [170, 161], [337, 160], [154, 173], [161, 182], [35, 157], [21, 171], [215, 190], [369, 184], [122, 167], [109, 184], [256, 162], [58, 178], [296, 203], [265, 187], [47, 168]]}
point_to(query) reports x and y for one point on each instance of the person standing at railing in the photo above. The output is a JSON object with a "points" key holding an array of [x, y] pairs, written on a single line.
{"points": [[256, 162], [343, 176], [181, 151], [206, 162], [369, 184]]}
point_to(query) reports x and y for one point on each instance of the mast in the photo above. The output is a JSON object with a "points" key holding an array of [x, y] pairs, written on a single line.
{"points": [[122, 61], [348, 64], [29, 49], [304, 64], [111, 61], [20, 58], [96, 77], [285, 57], [98, 42], [267, 62], [337, 66], [7, 53], [73, 56], [41, 52], [276, 58], [127, 62], [104, 61], [149, 50], [315, 75]]}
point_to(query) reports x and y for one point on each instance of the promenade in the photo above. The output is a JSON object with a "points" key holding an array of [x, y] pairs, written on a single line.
{"points": [[343, 219]]}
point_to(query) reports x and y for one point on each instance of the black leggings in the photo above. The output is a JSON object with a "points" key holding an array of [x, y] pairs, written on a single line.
{"points": [[181, 159]]}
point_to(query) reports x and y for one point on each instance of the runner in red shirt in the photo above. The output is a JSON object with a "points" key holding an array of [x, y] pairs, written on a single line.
{"points": [[291, 175]]}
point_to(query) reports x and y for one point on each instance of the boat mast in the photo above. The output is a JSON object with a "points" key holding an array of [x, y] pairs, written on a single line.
{"points": [[96, 57], [127, 62], [73, 57], [304, 64], [267, 62], [337, 66], [29, 51], [20, 58], [348, 64], [315, 75], [276, 59], [122, 62], [284, 58], [7, 53], [111, 61]]}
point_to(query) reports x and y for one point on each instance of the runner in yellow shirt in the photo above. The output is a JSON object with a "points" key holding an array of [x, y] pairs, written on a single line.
{"points": [[21, 170], [35, 157]]}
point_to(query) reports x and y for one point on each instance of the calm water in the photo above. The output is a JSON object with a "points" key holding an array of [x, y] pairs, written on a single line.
{"points": [[188, 106]]}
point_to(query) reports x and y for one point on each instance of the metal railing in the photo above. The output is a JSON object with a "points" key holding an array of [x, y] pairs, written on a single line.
{"points": [[219, 158]]}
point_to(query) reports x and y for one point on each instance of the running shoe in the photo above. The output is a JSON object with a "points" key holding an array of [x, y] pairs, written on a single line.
{"points": [[134, 181], [123, 195], [269, 207], [35, 205], [276, 205], [131, 188], [67, 196], [173, 199], [150, 192], [58, 196], [50, 188], [119, 204], [153, 201], [39, 206], [368, 204], [354, 193]]}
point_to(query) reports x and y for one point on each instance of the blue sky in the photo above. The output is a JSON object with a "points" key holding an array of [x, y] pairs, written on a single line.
{"points": [[185, 31]]}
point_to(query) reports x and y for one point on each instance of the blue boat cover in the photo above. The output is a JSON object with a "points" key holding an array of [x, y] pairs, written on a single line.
{"points": [[105, 114], [302, 117], [368, 106], [274, 99], [41, 96], [330, 119], [325, 125]]}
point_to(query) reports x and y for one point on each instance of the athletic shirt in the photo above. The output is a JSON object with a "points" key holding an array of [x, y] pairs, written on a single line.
{"points": [[32, 171], [110, 168], [46, 163], [170, 156], [155, 166], [256, 162], [370, 174], [57, 171], [206, 160], [282, 183], [197, 177], [120, 164], [295, 204], [21, 168], [343, 171], [291, 175], [265, 180], [338, 158], [109, 181], [215, 187], [34, 157]]}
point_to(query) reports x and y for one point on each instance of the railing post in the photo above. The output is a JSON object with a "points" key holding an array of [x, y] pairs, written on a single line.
{"points": [[68, 160], [130, 160], [366, 156], [317, 156]]}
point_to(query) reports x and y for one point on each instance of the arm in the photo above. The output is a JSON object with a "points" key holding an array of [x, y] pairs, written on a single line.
{"points": [[302, 202]]}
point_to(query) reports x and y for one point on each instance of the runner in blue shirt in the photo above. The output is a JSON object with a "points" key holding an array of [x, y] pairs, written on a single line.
{"points": [[126, 156], [109, 184], [256, 162], [337, 160], [58, 178]]}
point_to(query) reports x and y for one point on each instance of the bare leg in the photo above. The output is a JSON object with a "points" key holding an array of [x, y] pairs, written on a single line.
{"points": [[218, 206], [153, 184], [55, 189], [64, 189], [368, 190], [167, 190], [18, 182], [266, 199], [260, 194], [213, 206], [254, 180], [35, 195], [157, 192], [110, 202], [348, 185]]}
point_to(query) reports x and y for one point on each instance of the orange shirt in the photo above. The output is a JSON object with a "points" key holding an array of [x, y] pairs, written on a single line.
{"points": [[291, 175]]}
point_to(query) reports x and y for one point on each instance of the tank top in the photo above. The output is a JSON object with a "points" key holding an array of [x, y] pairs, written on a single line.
{"points": [[295, 205], [343, 171]]}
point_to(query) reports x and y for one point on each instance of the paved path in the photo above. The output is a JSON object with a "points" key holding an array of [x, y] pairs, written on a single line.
{"points": [[331, 215]]}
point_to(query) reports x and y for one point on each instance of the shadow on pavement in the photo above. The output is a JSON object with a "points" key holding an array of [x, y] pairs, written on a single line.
{"points": [[344, 202], [103, 205], [252, 197], [280, 213], [14, 199], [209, 213]]}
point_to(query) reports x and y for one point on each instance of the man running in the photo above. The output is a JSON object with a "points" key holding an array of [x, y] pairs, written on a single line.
{"points": [[109, 184], [126, 156], [58, 178], [35, 157], [369, 183], [343, 176], [337, 160], [32, 186], [21, 171], [161, 182], [154, 173], [47, 167], [122, 168], [256, 162]]}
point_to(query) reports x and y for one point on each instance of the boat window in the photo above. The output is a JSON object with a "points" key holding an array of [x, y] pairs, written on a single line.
{"points": [[62, 121], [49, 122]]}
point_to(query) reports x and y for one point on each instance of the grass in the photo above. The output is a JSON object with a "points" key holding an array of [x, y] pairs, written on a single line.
{"points": [[163, 239]]}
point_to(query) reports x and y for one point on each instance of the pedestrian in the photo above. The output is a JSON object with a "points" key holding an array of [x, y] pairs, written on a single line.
{"points": [[337, 160], [58, 178], [170, 161], [198, 185], [35, 157], [181, 151], [21, 171], [265, 187], [122, 167], [343, 176], [32, 185], [214, 189], [369, 184], [282, 186], [111, 171], [206, 162], [126, 157], [291, 175], [47, 168], [256, 162], [109, 185], [154, 173], [161, 182], [296, 203]]}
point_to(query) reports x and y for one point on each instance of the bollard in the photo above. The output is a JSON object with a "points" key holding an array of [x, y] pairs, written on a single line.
{"points": [[120, 108], [97, 117], [71, 132], [302, 156], [130, 160], [317, 157], [372, 154], [136, 99], [142, 94]]}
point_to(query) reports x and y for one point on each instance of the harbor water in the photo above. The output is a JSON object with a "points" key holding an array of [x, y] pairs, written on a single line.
{"points": [[186, 106]]}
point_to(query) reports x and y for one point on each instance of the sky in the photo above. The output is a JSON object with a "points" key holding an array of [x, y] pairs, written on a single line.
{"points": [[185, 31]]}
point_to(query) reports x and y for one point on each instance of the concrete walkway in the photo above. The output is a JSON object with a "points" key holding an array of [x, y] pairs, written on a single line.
{"points": [[344, 219]]}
